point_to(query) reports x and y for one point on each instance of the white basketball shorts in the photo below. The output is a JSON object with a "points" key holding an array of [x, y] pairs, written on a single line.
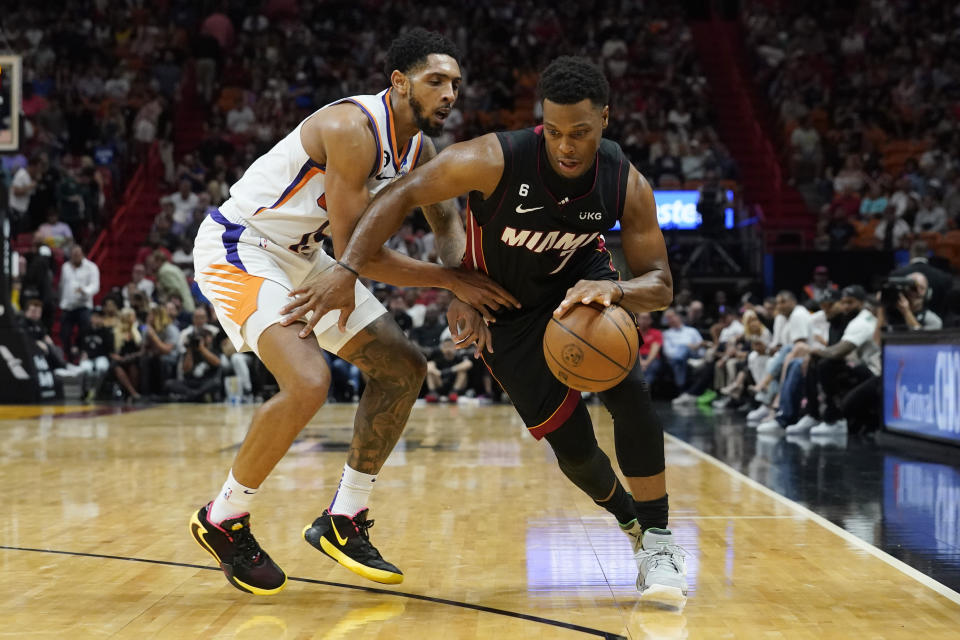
{"points": [[247, 278]]}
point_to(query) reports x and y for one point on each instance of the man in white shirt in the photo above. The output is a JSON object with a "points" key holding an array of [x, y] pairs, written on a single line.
{"points": [[842, 367], [680, 343], [79, 282], [798, 329], [22, 186], [184, 202]]}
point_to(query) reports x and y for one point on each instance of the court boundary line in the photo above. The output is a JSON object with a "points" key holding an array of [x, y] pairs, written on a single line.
{"points": [[860, 543], [606, 635]]}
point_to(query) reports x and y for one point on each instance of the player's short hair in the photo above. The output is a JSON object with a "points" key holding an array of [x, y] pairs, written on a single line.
{"points": [[570, 79], [410, 49]]}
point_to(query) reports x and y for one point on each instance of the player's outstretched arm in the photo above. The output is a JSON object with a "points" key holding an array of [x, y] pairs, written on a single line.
{"points": [[475, 165], [651, 288], [444, 219]]}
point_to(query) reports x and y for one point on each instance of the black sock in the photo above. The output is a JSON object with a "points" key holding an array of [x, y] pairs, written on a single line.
{"points": [[652, 513], [620, 505]]}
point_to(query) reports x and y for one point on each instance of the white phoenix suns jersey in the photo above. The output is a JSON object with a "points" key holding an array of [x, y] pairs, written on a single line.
{"points": [[281, 197]]}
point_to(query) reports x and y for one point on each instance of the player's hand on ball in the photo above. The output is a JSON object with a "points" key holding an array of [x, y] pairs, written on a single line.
{"points": [[606, 292], [480, 292], [327, 291], [468, 327]]}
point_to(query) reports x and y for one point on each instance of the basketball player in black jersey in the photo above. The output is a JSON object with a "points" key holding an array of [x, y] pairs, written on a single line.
{"points": [[539, 200]]}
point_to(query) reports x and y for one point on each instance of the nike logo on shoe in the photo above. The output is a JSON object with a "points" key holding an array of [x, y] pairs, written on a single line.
{"points": [[520, 209], [340, 540]]}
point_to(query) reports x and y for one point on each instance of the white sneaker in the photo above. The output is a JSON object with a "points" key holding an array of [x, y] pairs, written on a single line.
{"points": [[757, 413], [830, 429], [803, 425], [684, 399], [769, 426], [760, 415], [663, 569], [721, 403]]}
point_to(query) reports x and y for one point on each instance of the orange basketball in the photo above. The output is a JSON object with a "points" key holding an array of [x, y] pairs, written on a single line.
{"points": [[592, 347]]}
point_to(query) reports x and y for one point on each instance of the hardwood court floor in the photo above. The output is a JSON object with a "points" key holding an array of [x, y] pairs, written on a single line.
{"points": [[494, 542]]}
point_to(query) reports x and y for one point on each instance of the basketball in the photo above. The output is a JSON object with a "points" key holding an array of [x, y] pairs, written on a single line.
{"points": [[592, 347]]}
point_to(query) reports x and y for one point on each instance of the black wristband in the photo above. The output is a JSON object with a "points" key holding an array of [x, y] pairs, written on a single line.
{"points": [[617, 284], [352, 270]]}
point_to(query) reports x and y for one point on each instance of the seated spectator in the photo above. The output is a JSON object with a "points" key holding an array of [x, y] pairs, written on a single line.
{"points": [[96, 347], [177, 313], [680, 344], [54, 233], [159, 354], [931, 217], [346, 379], [821, 284], [138, 282], [184, 201], [198, 371], [892, 233], [171, 280], [875, 202], [447, 372], [397, 306], [32, 324], [126, 358], [840, 378], [183, 257], [748, 357], [652, 343], [427, 335]]}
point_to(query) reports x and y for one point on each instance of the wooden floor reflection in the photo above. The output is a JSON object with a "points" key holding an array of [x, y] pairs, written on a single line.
{"points": [[474, 512]]}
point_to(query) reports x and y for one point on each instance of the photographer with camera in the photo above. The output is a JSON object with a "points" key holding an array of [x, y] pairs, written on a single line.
{"points": [[903, 304], [199, 372]]}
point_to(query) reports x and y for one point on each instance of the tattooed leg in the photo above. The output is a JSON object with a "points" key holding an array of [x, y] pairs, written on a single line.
{"points": [[395, 369]]}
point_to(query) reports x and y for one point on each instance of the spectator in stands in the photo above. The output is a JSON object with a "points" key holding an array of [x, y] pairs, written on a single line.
{"points": [[940, 282], [875, 202], [198, 371], [96, 346], [32, 324], [427, 335], [680, 344], [177, 313], [140, 282], [892, 233], [821, 285], [839, 379], [54, 233], [414, 308], [126, 358], [652, 343], [346, 380], [159, 353], [183, 201], [36, 281], [397, 306], [796, 335], [79, 282], [837, 231], [931, 216], [22, 186], [171, 280], [447, 372], [153, 243], [805, 145]]}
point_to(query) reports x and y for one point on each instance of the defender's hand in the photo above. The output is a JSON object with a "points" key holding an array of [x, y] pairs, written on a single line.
{"points": [[468, 327], [480, 292], [330, 290], [606, 292]]}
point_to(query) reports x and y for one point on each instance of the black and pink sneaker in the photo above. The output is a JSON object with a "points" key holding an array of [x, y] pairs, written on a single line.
{"points": [[232, 545]]}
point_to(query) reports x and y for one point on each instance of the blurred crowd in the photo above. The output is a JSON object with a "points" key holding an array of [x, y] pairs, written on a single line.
{"points": [[867, 99]]}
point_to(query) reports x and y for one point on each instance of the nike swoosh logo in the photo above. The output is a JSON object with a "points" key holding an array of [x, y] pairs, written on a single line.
{"points": [[250, 492], [342, 541], [520, 209]]}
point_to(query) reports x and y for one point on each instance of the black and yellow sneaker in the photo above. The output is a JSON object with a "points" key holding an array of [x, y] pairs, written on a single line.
{"points": [[346, 540], [246, 565]]}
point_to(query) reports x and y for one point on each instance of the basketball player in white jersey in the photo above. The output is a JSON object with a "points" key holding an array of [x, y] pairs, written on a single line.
{"points": [[264, 242]]}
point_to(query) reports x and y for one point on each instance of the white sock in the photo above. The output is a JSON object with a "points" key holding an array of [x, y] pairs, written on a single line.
{"points": [[353, 492], [233, 500]]}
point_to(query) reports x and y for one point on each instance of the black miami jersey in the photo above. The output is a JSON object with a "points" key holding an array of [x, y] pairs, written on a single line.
{"points": [[535, 242]]}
